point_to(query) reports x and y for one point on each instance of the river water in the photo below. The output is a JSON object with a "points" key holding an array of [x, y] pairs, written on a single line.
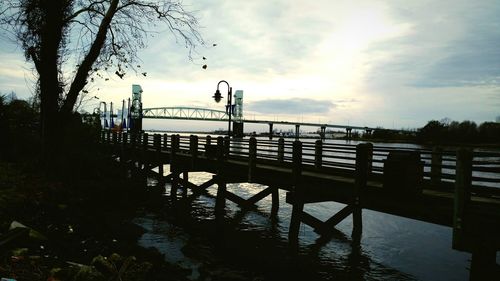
{"points": [[252, 245]]}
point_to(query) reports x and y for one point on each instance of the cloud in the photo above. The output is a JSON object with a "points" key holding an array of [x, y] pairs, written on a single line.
{"points": [[455, 44], [291, 106]]}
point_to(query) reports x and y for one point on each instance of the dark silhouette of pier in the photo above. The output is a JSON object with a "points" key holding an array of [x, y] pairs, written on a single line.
{"points": [[458, 189]]}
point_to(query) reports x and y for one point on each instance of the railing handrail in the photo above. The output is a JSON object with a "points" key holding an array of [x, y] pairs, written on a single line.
{"points": [[484, 170]]}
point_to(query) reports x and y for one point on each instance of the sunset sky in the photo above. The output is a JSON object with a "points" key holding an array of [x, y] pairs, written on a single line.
{"points": [[395, 64]]}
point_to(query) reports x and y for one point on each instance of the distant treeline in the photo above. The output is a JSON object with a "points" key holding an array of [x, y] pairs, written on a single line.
{"points": [[445, 132], [463, 132]]}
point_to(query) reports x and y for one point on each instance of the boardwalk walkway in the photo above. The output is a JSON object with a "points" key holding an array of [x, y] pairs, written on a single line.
{"points": [[459, 189]]}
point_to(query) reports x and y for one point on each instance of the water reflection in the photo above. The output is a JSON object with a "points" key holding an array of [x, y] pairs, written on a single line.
{"points": [[254, 241]]}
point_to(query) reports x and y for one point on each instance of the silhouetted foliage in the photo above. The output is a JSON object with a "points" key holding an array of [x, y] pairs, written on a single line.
{"points": [[19, 127], [447, 131], [72, 42]]}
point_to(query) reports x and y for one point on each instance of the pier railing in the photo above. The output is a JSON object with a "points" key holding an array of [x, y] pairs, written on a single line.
{"points": [[439, 165]]}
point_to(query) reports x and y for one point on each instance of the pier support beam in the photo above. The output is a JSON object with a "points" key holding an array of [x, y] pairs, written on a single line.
{"points": [[220, 201], [297, 131], [364, 158]]}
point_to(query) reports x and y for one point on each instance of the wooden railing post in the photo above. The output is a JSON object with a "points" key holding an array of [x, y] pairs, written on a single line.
{"points": [[145, 140], [364, 155], [297, 161], [208, 140], [124, 148], [436, 165], [463, 182], [157, 145], [252, 158], [281, 150], [174, 170], [125, 138], [115, 138], [220, 201], [193, 147], [133, 141], [298, 204], [165, 141], [227, 146], [318, 154]]}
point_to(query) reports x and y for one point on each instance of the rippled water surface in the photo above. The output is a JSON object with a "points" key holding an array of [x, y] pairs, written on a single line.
{"points": [[392, 248]]}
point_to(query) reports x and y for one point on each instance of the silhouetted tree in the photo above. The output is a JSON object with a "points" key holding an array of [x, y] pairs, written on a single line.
{"points": [[17, 124], [489, 132], [71, 41], [432, 131]]}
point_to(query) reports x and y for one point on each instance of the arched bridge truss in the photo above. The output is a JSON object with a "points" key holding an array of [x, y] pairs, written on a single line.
{"points": [[185, 113]]}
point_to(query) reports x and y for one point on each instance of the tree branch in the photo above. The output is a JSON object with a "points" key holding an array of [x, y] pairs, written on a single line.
{"points": [[82, 73]]}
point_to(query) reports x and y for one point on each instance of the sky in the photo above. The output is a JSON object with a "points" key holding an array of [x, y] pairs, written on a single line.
{"points": [[392, 64]]}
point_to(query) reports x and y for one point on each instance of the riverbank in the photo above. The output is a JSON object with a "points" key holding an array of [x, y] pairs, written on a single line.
{"points": [[78, 228]]}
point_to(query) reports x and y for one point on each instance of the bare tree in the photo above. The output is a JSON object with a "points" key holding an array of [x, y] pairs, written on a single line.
{"points": [[72, 41]]}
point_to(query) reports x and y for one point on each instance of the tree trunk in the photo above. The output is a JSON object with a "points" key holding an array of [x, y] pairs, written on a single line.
{"points": [[50, 89]]}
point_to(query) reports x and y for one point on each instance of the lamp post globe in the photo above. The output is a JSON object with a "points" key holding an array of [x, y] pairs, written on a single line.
{"points": [[229, 107]]}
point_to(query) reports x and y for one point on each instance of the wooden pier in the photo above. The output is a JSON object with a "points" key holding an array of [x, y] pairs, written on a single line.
{"points": [[458, 189]]}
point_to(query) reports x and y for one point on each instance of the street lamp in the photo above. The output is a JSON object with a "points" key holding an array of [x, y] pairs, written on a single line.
{"points": [[229, 107]]}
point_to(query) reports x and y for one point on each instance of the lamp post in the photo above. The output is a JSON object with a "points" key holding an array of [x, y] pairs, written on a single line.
{"points": [[229, 107]]}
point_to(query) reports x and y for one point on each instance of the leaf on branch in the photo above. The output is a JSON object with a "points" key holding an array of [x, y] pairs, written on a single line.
{"points": [[119, 74], [144, 73], [214, 45], [204, 58], [204, 66]]}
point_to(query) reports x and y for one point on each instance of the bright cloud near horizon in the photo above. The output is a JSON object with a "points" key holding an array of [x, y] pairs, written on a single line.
{"points": [[395, 64]]}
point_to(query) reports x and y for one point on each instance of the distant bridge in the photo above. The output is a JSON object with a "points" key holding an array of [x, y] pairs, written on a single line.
{"points": [[185, 113], [204, 114]]}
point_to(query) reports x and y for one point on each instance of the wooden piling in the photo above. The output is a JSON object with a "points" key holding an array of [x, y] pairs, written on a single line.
{"points": [[364, 155], [220, 201], [463, 182], [298, 205], [173, 166], [275, 200]]}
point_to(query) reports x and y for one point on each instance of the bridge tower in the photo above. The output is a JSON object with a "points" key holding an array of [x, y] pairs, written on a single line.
{"points": [[136, 109], [238, 114]]}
